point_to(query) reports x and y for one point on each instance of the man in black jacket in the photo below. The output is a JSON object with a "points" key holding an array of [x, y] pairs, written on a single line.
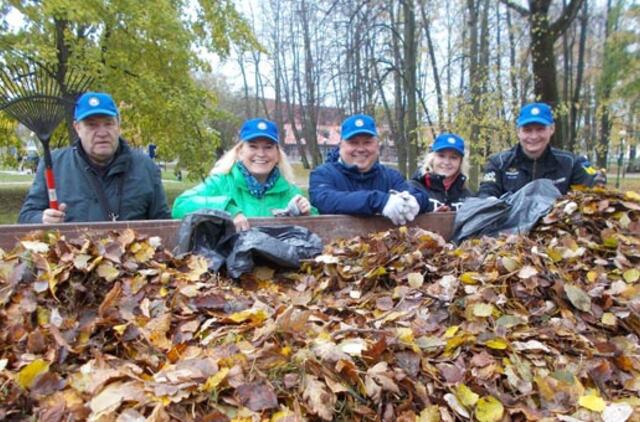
{"points": [[533, 158], [99, 178]]}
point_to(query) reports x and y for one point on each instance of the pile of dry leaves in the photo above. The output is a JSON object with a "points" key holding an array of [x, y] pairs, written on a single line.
{"points": [[393, 326]]}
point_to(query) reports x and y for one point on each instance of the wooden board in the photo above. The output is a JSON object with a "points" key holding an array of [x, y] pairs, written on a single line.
{"points": [[328, 227]]}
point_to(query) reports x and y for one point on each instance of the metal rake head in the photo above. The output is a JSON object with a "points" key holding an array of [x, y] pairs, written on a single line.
{"points": [[30, 94]]}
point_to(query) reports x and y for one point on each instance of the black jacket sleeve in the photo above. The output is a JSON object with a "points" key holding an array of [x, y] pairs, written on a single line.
{"points": [[491, 183]]}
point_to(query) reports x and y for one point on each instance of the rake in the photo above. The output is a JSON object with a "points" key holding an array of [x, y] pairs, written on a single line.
{"points": [[29, 94]]}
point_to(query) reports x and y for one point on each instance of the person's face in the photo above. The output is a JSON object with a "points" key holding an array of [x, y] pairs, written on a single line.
{"points": [[361, 151], [446, 162], [259, 156], [534, 138], [99, 136]]}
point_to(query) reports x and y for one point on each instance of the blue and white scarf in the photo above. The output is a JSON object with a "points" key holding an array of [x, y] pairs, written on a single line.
{"points": [[256, 188]]}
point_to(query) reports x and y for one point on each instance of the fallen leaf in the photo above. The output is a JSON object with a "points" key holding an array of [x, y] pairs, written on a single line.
{"points": [[489, 409], [578, 297]]}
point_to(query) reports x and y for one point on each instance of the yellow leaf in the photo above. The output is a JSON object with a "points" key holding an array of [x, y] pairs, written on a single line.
{"points": [[482, 309], [214, 381], [592, 402], [608, 319], [592, 276], [632, 195], [632, 275], [429, 414], [451, 331], [120, 328], [107, 271], [406, 337], [255, 315], [510, 264], [163, 292], [497, 343], [470, 278], [489, 409], [29, 373], [415, 280], [282, 415], [466, 396]]}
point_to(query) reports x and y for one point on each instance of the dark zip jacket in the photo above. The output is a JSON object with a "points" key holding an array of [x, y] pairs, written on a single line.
{"points": [[335, 188], [433, 185], [141, 198], [510, 170]]}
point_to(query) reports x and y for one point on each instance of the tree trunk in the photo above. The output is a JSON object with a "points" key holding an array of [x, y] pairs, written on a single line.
{"points": [[410, 83], [575, 99], [474, 76]]}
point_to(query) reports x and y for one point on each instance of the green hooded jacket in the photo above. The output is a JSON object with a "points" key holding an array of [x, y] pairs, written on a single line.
{"points": [[229, 192]]}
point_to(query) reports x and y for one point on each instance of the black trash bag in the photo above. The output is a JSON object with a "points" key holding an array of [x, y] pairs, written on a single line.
{"points": [[201, 232], [512, 213], [282, 246], [528, 205], [477, 217]]}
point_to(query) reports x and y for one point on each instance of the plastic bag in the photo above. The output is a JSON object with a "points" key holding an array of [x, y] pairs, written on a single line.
{"points": [[282, 246], [512, 213], [201, 232], [211, 233]]}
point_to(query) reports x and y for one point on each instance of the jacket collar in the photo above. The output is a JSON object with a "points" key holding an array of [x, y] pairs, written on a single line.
{"points": [[281, 185], [435, 182], [119, 164]]}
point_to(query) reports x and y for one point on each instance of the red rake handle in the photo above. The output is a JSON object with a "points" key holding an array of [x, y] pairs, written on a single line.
{"points": [[51, 188]]}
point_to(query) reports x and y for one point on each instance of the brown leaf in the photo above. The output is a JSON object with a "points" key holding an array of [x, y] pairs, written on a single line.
{"points": [[319, 398], [257, 396]]}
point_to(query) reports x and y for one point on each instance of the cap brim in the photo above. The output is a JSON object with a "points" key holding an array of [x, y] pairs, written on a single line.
{"points": [[445, 147], [260, 135], [538, 120], [94, 112], [359, 132]]}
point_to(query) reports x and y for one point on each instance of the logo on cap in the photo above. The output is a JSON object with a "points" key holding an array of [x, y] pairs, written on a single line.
{"points": [[359, 123], [93, 101], [262, 126], [451, 140], [535, 111]]}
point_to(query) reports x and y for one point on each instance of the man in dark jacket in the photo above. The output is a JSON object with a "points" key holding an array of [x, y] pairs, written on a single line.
{"points": [[533, 158], [356, 183], [99, 178]]}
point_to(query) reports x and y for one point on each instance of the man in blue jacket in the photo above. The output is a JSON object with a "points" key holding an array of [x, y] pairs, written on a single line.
{"points": [[355, 183], [99, 178]]}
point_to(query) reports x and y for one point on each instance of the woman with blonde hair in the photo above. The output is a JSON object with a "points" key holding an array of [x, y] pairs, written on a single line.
{"points": [[253, 179], [442, 178]]}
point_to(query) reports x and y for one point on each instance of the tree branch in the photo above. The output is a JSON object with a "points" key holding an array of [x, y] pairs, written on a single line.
{"points": [[521, 10], [561, 24]]}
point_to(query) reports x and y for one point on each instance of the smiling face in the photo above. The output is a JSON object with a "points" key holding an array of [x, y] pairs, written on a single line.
{"points": [[259, 156], [99, 137], [361, 151], [534, 139], [446, 162]]}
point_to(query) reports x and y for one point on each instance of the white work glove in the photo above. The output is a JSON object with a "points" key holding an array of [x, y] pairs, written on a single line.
{"points": [[411, 207], [394, 209]]}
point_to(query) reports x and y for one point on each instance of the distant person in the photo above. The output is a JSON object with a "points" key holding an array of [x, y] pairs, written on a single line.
{"points": [[253, 179], [354, 182], [99, 178], [442, 179], [532, 158], [599, 175]]}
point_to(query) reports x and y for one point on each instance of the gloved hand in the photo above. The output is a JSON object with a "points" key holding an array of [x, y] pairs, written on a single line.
{"points": [[600, 178], [394, 209], [411, 208]]}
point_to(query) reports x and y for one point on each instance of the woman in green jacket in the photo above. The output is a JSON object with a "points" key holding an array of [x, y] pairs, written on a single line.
{"points": [[253, 179]]}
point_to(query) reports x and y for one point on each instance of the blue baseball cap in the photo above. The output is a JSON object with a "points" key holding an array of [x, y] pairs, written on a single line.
{"points": [[448, 141], [535, 113], [92, 103], [358, 124], [259, 128]]}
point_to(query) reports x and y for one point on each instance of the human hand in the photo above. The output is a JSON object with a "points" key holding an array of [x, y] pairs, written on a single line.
{"points": [[299, 205], [394, 209], [241, 223], [442, 208], [411, 206], [51, 216]]}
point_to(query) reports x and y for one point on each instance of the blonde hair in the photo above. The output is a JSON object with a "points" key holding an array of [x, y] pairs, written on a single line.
{"points": [[226, 162], [427, 163]]}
